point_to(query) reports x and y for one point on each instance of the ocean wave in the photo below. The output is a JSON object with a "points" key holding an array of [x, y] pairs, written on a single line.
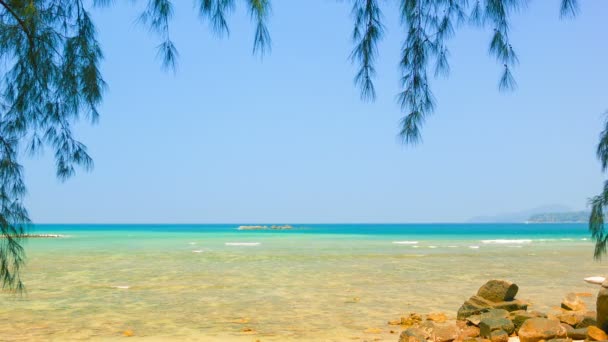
{"points": [[474, 247], [505, 241], [242, 244], [405, 242]]}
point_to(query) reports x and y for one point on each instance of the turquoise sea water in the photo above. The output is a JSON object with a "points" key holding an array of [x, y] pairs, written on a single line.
{"points": [[315, 282]]}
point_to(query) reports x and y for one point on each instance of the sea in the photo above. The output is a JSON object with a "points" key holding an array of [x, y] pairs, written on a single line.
{"points": [[315, 282]]}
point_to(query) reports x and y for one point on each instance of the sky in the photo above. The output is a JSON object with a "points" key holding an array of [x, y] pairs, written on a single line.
{"points": [[233, 138]]}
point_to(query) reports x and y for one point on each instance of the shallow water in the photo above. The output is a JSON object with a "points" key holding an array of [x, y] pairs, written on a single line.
{"points": [[319, 283]]}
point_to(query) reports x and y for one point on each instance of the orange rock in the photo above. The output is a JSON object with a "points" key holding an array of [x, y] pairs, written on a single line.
{"points": [[128, 333], [394, 322], [596, 334], [438, 317]]}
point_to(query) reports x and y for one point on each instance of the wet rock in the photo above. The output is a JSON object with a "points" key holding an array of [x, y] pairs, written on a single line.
{"points": [[596, 334], [568, 328], [490, 324], [476, 339], [499, 336], [498, 291], [602, 308], [578, 334], [560, 340], [536, 329], [573, 303]]}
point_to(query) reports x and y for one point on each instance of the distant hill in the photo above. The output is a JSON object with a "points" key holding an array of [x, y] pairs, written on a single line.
{"points": [[519, 216], [563, 217]]}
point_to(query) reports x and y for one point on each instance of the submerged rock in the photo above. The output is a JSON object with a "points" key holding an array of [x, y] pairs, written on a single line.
{"points": [[536, 329], [413, 335], [499, 336], [498, 291]]}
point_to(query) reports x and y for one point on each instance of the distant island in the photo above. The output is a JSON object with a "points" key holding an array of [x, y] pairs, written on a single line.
{"points": [[560, 217], [273, 227]]}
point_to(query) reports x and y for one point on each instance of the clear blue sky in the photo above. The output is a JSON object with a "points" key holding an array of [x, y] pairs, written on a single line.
{"points": [[231, 138]]}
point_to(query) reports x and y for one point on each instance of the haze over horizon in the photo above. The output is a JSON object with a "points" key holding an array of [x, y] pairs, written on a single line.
{"points": [[232, 138]]}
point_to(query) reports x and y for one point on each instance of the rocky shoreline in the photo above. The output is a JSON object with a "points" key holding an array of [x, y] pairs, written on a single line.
{"points": [[493, 314]]}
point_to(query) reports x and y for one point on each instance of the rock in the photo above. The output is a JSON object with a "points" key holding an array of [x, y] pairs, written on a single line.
{"points": [[474, 319], [468, 332], [495, 313], [413, 335], [498, 291], [520, 316], [513, 305], [410, 320], [568, 328], [536, 329], [588, 320], [438, 317], [596, 334], [573, 303], [560, 340], [602, 309], [577, 334], [440, 332], [570, 318], [473, 306], [489, 324], [499, 336]]}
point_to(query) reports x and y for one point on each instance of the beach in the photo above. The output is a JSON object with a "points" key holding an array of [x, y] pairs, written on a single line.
{"points": [[311, 283]]}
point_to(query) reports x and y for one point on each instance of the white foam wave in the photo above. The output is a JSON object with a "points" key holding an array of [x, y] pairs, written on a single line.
{"points": [[197, 251], [242, 243], [432, 246], [474, 247], [122, 287], [452, 246], [405, 242], [505, 241]]}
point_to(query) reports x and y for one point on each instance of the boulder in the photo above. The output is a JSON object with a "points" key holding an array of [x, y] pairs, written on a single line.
{"points": [[573, 303], [602, 308], [488, 325], [473, 306], [536, 329], [440, 332], [411, 319], [596, 334], [577, 334], [498, 291], [474, 319], [560, 340], [570, 318], [413, 335]]}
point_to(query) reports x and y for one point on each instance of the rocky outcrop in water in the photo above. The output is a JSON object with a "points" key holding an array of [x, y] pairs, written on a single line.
{"points": [[493, 314]]}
